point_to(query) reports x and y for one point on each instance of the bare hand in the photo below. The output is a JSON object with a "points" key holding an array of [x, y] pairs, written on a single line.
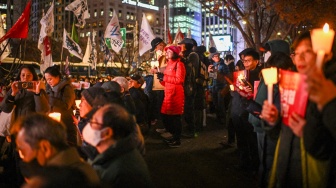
{"points": [[269, 113], [321, 90], [296, 123], [210, 68], [15, 88]]}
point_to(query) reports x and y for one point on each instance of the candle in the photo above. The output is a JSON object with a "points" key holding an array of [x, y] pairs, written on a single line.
{"points": [[77, 103], [231, 87], [56, 116], [322, 40], [270, 77]]}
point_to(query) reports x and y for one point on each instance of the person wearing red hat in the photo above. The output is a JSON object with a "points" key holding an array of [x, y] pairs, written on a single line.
{"points": [[173, 102]]}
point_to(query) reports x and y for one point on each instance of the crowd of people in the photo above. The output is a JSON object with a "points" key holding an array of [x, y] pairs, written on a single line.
{"points": [[102, 143]]}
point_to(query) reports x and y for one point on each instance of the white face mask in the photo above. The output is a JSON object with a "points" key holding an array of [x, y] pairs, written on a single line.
{"points": [[92, 136], [266, 56]]}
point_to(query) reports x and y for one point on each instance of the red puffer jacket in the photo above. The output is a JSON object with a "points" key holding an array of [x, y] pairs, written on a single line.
{"points": [[173, 102]]}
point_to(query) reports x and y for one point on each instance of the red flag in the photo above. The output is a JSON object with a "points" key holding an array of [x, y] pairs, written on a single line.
{"points": [[170, 38], [20, 28]]}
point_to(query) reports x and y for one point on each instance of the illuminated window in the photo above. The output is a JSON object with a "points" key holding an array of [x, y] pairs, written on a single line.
{"points": [[82, 34], [88, 34], [101, 12], [120, 14], [128, 16], [95, 13], [111, 13]]}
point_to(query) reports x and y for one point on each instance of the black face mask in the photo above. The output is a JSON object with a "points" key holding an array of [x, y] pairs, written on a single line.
{"points": [[29, 169]]}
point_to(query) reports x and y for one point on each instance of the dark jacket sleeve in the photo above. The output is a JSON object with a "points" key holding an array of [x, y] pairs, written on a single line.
{"points": [[317, 138], [41, 102], [65, 102], [7, 103]]}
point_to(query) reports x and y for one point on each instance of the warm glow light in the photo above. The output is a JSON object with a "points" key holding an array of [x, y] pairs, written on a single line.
{"points": [[322, 40], [149, 17], [56, 116], [231, 87], [270, 75], [244, 22], [77, 103], [326, 28]]}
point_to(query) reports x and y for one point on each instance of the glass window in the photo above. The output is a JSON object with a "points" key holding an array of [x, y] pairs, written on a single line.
{"points": [[95, 13], [101, 12]]}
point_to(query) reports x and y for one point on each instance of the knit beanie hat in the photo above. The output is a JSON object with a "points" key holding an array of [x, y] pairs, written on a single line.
{"points": [[91, 93], [111, 86]]}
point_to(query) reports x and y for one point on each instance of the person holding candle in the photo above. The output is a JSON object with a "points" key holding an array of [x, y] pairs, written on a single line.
{"points": [[320, 131], [246, 137], [292, 167], [62, 99]]}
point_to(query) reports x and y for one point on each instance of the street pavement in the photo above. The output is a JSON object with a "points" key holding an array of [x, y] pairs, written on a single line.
{"points": [[199, 162]]}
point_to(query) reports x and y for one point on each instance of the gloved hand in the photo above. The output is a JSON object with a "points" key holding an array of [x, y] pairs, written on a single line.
{"points": [[160, 76]]}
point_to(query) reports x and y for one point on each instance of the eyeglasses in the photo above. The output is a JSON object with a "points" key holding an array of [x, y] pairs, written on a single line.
{"points": [[247, 61]]}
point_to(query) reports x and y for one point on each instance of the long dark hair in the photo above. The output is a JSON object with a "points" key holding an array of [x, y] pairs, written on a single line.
{"points": [[30, 68]]}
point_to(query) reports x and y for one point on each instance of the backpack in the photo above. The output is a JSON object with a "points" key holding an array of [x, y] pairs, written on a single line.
{"points": [[203, 74]]}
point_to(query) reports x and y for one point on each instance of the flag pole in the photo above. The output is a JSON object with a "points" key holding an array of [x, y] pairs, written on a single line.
{"points": [[165, 22], [5, 46]]}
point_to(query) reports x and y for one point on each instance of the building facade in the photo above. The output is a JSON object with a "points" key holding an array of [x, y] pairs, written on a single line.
{"points": [[186, 14]]}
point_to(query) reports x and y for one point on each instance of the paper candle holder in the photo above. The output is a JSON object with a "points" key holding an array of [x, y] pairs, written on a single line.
{"points": [[77, 103]]}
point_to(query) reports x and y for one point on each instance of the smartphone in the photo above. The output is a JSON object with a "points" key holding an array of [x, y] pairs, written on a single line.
{"points": [[26, 85]]}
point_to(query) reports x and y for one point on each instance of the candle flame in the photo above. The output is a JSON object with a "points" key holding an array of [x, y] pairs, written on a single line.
{"points": [[326, 28]]}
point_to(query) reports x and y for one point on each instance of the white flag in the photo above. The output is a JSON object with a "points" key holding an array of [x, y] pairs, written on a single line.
{"points": [[47, 23], [80, 9], [211, 41], [46, 55], [44, 45], [112, 34], [7, 50], [71, 45], [93, 54], [86, 58], [145, 37]]}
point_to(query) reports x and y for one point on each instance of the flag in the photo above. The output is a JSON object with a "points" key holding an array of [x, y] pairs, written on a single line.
{"points": [[74, 34], [93, 54], [3, 48], [211, 41], [136, 43], [170, 38], [178, 36], [47, 27], [71, 45], [46, 55], [112, 34], [20, 28], [67, 67], [86, 58], [146, 36], [189, 33], [47, 23], [80, 9], [104, 48]]}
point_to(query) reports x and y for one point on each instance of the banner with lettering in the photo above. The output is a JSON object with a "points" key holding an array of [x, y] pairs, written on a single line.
{"points": [[71, 45], [80, 9], [293, 94], [146, 36], [113, 37]]}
